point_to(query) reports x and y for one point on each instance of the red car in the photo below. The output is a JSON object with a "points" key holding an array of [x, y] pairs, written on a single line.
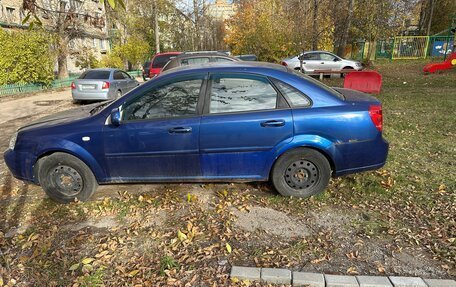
{"points": [[153, 68]]}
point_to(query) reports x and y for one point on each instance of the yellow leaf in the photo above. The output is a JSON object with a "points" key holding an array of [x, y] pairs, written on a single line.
{"points": [[87, 261], [181, 235], [228, 248], [74, 267], [133, 273]]}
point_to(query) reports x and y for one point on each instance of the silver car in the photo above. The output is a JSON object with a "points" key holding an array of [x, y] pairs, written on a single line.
{"points": [[321, 60], [102, 84]]}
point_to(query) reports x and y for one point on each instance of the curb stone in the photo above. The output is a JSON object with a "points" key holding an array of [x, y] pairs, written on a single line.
{"points": [[373, 281], [341, 281], [407, 281], [285, 276], [273, 275], [308, 279]]}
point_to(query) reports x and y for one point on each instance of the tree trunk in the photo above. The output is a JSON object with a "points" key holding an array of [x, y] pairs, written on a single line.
{"points": [[315, 25], [62, 62], [346, 30], [156, 27]]}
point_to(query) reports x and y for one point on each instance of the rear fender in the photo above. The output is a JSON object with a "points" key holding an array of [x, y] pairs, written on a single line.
{"points": [[325, 146]]}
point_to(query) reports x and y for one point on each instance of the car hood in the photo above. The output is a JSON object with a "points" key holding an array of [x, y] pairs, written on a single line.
{"points": [[62, 117]]}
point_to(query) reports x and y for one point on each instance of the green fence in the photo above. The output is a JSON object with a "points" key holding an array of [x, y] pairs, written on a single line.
{"points": [[32, 88]]}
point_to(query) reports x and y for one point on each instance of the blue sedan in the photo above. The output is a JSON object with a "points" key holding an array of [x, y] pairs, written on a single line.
{"points": [[217, 122]]}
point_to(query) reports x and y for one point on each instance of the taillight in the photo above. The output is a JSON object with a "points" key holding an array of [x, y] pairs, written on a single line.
{"points": [[105, 86], [376, 115], [73, 86], [284, 64]]}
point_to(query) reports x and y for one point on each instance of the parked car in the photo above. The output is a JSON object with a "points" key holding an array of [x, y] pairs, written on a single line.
{"points": [[320, 60], [249, 57], [102, 85], [188, 59], [237, 121], [153, 68]]}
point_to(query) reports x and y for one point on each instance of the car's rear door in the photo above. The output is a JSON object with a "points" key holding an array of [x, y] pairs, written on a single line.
{"points": [[244, 121], [158, 135]]}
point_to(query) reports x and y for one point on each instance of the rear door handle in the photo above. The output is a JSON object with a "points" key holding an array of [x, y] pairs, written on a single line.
{"points": [[273, 123], [180, 130]]}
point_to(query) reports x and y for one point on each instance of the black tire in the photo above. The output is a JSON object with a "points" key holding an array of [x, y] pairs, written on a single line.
{"points": [[76, 102], [65, 178], [301, 172], [346, 69]]}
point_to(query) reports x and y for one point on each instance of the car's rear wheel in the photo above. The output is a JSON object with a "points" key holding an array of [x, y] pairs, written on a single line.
{"points": [[65, 178], [301, 172]]}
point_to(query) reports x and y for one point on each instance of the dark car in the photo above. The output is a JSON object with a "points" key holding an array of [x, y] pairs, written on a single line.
{"points": [[237, 121], [195, 58], [153, 68]]}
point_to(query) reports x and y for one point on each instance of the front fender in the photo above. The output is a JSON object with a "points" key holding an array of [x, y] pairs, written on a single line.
{"points": [[324, 145], [61, 145]]}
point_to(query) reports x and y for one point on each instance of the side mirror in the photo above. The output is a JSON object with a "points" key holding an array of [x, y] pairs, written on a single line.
{"points": [[336, 60], [115, 117]]}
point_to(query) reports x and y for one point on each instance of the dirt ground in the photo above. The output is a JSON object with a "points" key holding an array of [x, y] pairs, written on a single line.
{"points": [[190, 234]]}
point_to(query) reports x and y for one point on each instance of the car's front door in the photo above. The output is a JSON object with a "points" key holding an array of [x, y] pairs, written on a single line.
{"points": [[329, 62], [244, 121], [157, 138]]}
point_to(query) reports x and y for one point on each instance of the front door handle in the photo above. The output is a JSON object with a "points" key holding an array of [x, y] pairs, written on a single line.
{"points": [[180, 130], [273, 123]]}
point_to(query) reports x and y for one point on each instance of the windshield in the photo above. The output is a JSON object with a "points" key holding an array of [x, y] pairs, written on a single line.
{"points": [[319, 84], [95, 75], [160, 61]]}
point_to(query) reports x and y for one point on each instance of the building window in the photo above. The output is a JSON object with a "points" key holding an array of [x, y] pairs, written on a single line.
{"points": [[75, 4], [94, 43], [10, 12], [102, 44]]}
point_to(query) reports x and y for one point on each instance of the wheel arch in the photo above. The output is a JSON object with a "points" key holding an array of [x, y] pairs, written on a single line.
{"points": [[322, 145], [77, 152]]}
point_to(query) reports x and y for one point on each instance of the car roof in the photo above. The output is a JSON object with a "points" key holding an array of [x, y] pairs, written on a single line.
{"points": [[167, 53], [103, 69], [228, 66], [203, 54]]}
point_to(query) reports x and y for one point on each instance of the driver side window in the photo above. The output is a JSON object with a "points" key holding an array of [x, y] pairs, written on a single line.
{"points": [[176, 99]]}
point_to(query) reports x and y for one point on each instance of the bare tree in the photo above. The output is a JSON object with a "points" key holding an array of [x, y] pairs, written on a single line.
{"points": [[67, 21]]}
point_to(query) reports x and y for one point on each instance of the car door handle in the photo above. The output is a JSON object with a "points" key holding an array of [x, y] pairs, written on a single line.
{"points": [[180, 130], [273, 123], [322, 63]]}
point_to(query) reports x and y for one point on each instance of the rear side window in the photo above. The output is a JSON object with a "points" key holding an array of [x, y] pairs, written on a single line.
{"points": [[293, 96], [239, 93], [311, 56], [219, 59], [194, 61], [118, 75], [160, 61], [95, 75]]}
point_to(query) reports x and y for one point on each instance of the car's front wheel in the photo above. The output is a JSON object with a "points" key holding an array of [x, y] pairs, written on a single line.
{"points": [[301, 172], [65, 178]]}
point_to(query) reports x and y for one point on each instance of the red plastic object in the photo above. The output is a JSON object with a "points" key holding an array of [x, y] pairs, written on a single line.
{"points": [[449, 63], [364, 81]]}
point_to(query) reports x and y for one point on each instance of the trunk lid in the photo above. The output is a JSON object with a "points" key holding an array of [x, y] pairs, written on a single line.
{"points": [[357, 97]]}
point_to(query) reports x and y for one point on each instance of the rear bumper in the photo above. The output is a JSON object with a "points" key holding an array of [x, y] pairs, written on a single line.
{"points": [[78, 95], [363, 156], [20, 164]]}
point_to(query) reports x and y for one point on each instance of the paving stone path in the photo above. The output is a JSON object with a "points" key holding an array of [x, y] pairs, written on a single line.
{"points": [[285, 276]]}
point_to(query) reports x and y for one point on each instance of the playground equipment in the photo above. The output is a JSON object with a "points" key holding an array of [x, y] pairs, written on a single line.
{"points": [[449, 63], [364, 81]]}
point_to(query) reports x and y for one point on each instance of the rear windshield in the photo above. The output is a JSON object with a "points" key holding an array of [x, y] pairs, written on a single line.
{"points": [[160, 61], [95, 75], [319, 84]]}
